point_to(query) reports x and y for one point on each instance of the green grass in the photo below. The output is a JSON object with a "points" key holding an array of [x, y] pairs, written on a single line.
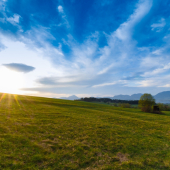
{"points": [[42, 133]]}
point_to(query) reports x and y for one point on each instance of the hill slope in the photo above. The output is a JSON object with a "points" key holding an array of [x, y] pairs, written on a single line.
{"points": [[42, 133]]}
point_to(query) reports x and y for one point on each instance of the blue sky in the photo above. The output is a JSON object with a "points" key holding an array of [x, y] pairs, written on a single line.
{"points": [[86, 48]]}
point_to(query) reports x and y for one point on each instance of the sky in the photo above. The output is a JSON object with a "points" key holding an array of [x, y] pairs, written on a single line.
{"points": [[58, 48]]}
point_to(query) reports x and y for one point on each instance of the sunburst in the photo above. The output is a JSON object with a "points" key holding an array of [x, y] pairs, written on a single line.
{"points": [[10, 81]]}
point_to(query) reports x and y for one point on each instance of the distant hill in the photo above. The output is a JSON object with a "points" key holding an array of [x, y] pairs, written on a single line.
{"points": [[73, 97], [163, 97], [128, 97], [122, 97], [136, 96]]}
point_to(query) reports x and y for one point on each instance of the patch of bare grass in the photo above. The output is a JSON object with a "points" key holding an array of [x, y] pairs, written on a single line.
{"points": [[122, 157]]}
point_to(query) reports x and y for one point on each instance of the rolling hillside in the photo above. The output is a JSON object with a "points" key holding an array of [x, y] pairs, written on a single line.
{"points": [[43, 133]]}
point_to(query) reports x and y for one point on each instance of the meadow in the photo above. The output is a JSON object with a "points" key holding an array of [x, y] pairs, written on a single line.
{"points": [[44, 133]]}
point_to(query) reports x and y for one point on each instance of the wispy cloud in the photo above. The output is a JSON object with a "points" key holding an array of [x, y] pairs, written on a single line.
{"points": [[81, 61], [166, 85], [124, 32], [14, 19], [63, 15], [88, 60], [110, 84], [159, 25], [157, 70]]}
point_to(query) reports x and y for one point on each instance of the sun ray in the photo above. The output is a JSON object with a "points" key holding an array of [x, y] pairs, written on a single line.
{"points": [[3, 96], [9, 100], [15, 97]]}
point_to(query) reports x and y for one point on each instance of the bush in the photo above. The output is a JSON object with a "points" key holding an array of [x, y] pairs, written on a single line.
{"points": [[124, 105], [146, 102], [163, 107]]}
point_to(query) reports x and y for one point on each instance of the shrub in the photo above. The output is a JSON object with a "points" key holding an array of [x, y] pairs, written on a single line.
{"points": [[167, 108], [163, 107], [146, 102], [124, 105]]}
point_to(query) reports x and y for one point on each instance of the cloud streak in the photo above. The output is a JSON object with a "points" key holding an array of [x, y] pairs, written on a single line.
{"points": [[88, 60], [158, 26]]}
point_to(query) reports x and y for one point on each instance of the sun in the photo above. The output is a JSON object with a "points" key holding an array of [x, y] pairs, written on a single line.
{"points": [[10, 81]]}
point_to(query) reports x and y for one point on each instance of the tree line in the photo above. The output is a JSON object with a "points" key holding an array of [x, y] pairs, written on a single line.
{"points": [[108, 100]]}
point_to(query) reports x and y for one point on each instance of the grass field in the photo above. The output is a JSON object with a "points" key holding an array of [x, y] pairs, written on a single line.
{"points": [[42, 133]]}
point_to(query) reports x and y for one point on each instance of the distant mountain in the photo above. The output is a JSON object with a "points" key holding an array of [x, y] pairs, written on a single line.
{"points": [[163, 97], [165, 94], [136, 96], [127, 97], [121, 97], [73, 97]]}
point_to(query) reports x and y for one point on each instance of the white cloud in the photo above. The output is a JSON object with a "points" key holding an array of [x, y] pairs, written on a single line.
{"points": [[149, 62], [157, 71], [167, 85], [157, 52], [60, 9], [120, 49], [14, 20], [63, 15], [159, 25], [105, 70], [104, 84], [154, 81], [2, 6], [146, 83], [124, 32], [110, 84]]}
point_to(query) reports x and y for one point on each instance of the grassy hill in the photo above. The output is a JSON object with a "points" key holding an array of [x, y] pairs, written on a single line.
{"points": [[43, 133]]}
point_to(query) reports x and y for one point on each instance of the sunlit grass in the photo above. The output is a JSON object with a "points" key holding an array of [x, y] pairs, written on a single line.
{"points": [[42, 133]]}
